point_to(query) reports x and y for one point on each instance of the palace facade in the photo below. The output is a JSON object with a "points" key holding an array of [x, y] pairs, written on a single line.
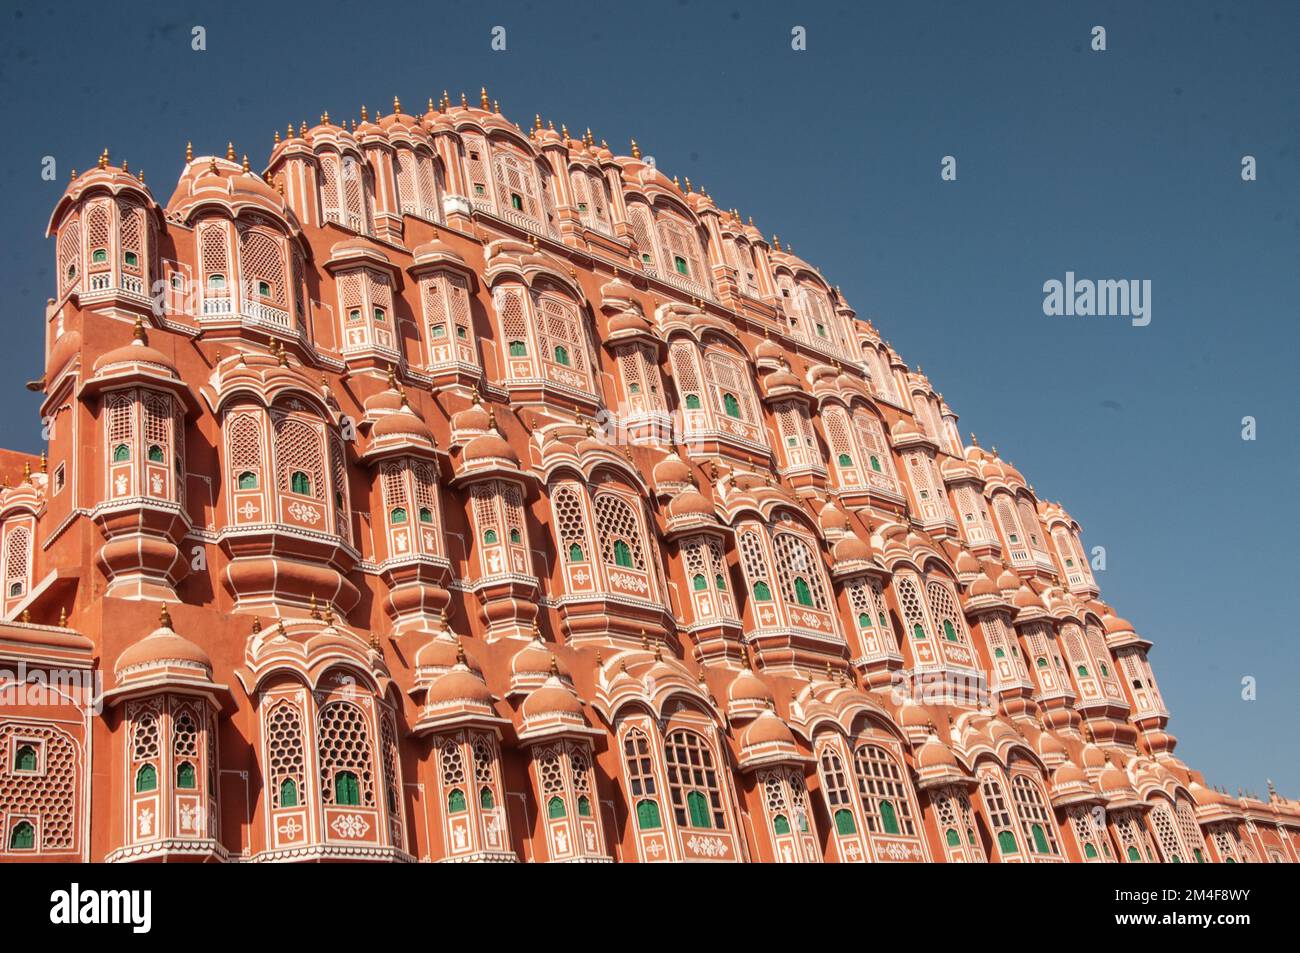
{"points": [[450, 492]]}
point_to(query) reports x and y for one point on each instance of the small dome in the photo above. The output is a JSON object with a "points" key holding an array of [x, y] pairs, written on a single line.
{"points": [[690, 502], [459, 686], [161, 647], [1008, 581], [1051, 746], [551, 699], [850, 548], [967, 563], [402, 423], [628, 322], [1067, 774], [437, 653], [489, 446], [983, 586], [1025, 598], [672, 469], [833, 520], [473, 417], [769, 350], [912, 715], [137, 352], [767, 729], [748, 687], [935, 754], [1094, 757], [1113, 780], [1114, 625]]}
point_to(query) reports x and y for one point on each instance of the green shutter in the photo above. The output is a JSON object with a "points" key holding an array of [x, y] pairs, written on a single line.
{"points": [[248, 480], [844, 823], [584, 806], [347, 792], [692, 401], [121, 453], [555, 808], [949, 632], [185, 777], [953, 838], [397, 515], [731, 405], [1089, 850], [562, 355], [846, 460], [25, 759], [23, 836], [698, 582], [146, 779], [647, 815], [780, 824], [300, 483], [622, 553], [698, 806], [155, 453], [288, 793], [888, 817], [1040, 839], [762, 592], [485, 799], [456, 801], [802, 594], [576, 554], [1133, 856], [1007, 843]]}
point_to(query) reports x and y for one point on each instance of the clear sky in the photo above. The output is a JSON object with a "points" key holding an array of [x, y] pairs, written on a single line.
{"points": [[1117, 164]]}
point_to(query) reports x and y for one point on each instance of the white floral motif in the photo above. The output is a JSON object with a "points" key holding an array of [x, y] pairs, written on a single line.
{"points": [[248, 510], [350, 825], [188, 817], [144, 822], [707, 846], [307, 514], [290, 828]]}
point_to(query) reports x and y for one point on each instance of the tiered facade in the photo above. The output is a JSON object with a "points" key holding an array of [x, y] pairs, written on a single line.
{"points": [[452, 492]]}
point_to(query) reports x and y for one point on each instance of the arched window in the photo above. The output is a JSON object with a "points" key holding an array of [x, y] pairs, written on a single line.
{"points": [[562, 355], [23, 836], [780, 824], [99, 255], [485, 798], [216, 282], [25, 758], [346, 756], [949, 632], [397, 515], [844, 823], [490, 536], [1007, 842], [641, 784], [555, 808], [680, 264], [731, 405], [1035, 820], [121, 453], [1083, 671], [155, 453], [288, 793], [185, 777], [699, 583], [884, 791], [762, 591], [845, 460], [584, 806], [300, 482], [693, 781], [692, 401], [248, 480], [146, 779], [619, 531], [456, 802]]}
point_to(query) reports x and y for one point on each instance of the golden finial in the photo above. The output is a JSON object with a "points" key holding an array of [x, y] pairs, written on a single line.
{"points": [[230, 152], [257, 625], [189, 152], [325, 117], [464, 101], [284, 356], [164, 617], [974, 440], [315, 609], [496, 107], [460, 651], [245, 163], [277, 137], [564, 130], [138, 334], [676, 183], [397, 105], [73, 177], [288, 131], [636, 150], [483, 97], [776, 242], [555, 667], [365, 114], [550, 124], [302, 128], [103, 159], [588, 137], [688, 184], [659, 651], [429, 108], [27, 616], [126, 166], [645, 639], [63, 624], [279, 627], [27, 472]]}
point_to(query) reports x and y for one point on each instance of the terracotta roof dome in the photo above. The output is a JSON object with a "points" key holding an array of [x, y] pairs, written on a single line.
{"points": [[767, 729], [935, 754], [690, 502], [670, 470], [489, 446], [459, 686], [160, 648], [551, 699]]}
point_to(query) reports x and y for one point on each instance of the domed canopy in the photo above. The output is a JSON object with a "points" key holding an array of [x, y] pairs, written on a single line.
{"points": [[164, 661]]}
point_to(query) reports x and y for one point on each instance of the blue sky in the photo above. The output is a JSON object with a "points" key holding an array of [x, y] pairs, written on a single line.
{"points": [[1122, 164]]}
